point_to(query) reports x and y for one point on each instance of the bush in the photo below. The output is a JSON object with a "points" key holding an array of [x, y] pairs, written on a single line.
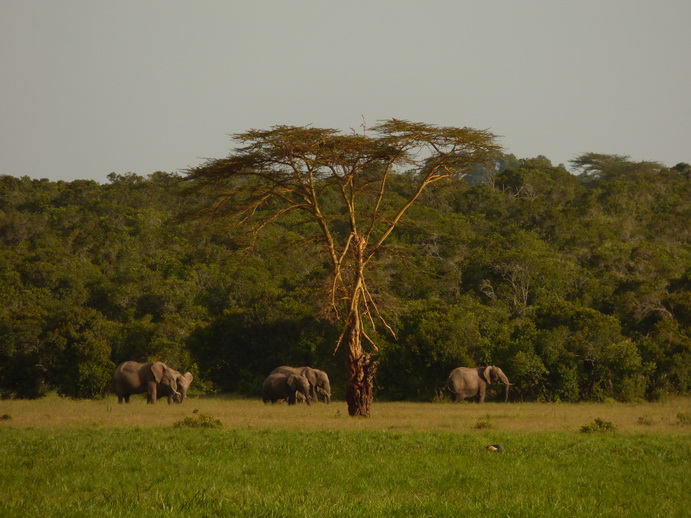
{"points": [[200, 421], [483, 424], [80, 344], [599, 425], [684, 418]]}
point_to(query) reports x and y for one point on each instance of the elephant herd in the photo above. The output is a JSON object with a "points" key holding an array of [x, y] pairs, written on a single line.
{"points": [[296, 383], [291, 384]]}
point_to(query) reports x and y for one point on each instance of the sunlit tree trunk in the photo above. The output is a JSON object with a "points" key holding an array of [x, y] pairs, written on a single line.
{"points": [[361, 371], [361, 367]]}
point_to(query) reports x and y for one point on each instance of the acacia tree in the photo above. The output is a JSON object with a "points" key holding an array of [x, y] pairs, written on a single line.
{"points": [[342, 183]]}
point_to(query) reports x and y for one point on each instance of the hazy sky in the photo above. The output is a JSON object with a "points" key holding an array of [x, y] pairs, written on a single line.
{"points": [[90, 87]]}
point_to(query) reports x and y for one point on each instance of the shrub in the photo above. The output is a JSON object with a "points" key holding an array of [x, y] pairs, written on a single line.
{"points": [[482, 424], [684, 418], [599, 425], [200, 421]]}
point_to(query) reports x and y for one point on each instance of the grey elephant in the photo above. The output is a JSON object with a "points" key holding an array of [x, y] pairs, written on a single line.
{"points": [[279, 386], [318, 379], [137, 378], [466, 382], [183, 380]]}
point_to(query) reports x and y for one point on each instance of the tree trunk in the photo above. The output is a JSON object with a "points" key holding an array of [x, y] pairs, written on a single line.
{"points": [[361, 371], [360, 366]]}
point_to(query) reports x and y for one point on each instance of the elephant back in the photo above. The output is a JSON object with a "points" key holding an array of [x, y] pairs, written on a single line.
{"points": [[287, 369], [128, 367]]}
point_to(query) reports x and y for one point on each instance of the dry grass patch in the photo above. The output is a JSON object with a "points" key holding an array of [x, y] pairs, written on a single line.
{"points": [[58, 412]]}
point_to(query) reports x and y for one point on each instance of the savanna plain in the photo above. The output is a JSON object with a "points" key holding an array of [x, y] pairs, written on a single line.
{"points": [[214, 456]]}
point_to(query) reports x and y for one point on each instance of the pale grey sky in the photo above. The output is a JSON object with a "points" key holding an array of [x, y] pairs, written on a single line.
{"points": [[90, 87]]}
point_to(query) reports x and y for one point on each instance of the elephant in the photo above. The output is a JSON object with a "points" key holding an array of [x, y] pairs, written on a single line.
{"points": [[318, 379], [183, 380], [137, 378], [465, 382], [278, 386]]}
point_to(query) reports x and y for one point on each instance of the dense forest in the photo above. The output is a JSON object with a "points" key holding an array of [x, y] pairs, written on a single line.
{"points": [[577, 285]]}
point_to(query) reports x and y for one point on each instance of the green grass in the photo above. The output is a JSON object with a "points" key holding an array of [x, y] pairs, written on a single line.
{"points": [[386, 466], [115, 472]]}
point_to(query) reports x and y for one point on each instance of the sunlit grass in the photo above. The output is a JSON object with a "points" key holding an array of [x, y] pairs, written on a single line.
{"points": [[662, 417], [185, 471], [97, 458]]}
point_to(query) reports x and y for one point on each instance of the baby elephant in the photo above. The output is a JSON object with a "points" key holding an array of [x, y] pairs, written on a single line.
{"points": [[184, 382], [285, 386]]}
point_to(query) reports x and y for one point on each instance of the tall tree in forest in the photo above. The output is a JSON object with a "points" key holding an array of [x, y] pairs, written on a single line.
{"points": [[342, 183]]}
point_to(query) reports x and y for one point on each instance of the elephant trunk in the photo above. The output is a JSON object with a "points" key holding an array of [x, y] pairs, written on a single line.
{"points": [[505, 381], [326, 393]]}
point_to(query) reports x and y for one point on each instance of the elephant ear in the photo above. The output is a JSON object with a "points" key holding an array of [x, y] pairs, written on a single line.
{"points": [[488, 374], [309, 374], [157, 370]]}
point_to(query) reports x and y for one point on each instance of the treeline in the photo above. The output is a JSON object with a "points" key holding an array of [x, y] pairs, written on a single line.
{"points": [[579, 287]]}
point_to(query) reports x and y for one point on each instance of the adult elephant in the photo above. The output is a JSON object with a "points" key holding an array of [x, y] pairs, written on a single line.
{"points": [[183, 380], [279, 386], [466, 382], [318, 379], [137, 378]]}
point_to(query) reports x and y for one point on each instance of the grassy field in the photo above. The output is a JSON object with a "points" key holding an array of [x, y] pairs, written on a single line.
{"points": [[98, 458]]}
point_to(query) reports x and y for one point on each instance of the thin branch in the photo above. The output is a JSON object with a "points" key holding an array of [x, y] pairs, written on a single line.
{"points": [[376, 309]]}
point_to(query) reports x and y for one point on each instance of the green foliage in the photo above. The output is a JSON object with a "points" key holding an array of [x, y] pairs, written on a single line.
{"points": [[598, 425], [483, 424], [199, 421], [81, 365], [579, 287]]}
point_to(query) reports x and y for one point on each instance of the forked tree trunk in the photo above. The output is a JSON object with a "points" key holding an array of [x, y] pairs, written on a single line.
{"points": [[361, 370], [360, 366]]}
